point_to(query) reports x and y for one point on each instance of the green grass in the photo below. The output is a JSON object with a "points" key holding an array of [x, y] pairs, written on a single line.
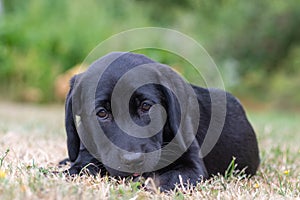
{"points": [[255, 44], [32, 141]]}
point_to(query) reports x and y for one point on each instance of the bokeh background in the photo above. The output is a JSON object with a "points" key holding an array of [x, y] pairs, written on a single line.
{"points": [[255, 44]]}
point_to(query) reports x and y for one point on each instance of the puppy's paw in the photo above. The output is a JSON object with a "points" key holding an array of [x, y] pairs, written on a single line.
{"points": [[64, 162], [168, 181]]}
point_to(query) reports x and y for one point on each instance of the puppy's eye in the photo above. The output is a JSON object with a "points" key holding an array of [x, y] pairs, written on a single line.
{"points": [[103, 114], [146, 106]]}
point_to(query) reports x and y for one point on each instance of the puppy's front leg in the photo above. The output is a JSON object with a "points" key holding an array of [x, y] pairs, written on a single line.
{"points": [[188, 175], [85, 161]]}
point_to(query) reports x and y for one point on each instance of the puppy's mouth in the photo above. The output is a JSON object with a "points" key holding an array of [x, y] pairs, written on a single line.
{"points": [[136, 174]]}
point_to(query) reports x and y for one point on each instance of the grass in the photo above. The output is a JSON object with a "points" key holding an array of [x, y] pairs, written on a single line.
{"points": [[32, 141]]}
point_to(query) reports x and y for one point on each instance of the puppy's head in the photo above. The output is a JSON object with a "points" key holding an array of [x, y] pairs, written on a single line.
{"points": [[129, 113]]}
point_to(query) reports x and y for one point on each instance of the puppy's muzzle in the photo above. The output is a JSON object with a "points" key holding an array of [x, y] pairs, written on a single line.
{"points": [[133, 161]]}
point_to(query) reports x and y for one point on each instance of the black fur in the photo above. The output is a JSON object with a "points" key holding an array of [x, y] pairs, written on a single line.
{"points": [[237, 138]]}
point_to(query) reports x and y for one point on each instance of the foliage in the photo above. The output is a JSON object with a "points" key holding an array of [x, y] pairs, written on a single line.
{"points": [[254, 43]]}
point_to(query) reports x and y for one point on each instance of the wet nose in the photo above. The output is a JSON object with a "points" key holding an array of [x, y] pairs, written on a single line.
{"points": [[133, 160]]}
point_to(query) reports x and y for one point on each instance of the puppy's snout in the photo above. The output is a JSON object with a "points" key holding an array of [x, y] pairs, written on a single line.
{"points": [[133, 160]]}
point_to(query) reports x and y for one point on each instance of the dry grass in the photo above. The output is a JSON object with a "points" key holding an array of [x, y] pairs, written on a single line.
{"points": [[34, 136]]}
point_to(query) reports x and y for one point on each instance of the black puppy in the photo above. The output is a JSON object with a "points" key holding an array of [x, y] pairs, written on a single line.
{"points": [[176, 148]]}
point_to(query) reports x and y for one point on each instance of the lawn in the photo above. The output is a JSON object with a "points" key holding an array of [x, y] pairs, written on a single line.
{"points": [[32, 142]]}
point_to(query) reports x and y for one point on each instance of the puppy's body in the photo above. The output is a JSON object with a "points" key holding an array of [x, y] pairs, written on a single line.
{"points": [[237, 138]]}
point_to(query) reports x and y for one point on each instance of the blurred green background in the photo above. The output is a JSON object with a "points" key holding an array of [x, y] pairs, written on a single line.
{"points": [[255, 44]]}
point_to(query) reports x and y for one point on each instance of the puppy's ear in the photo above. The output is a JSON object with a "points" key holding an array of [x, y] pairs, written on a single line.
{"points": [[174, 115], [73, 140], [182, 110]]}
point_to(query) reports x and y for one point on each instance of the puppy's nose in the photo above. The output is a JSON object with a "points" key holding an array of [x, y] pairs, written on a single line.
{"points": [[133, 160]]}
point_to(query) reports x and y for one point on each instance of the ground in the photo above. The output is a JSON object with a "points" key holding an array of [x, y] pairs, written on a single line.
{"points": [[33, 141]]}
